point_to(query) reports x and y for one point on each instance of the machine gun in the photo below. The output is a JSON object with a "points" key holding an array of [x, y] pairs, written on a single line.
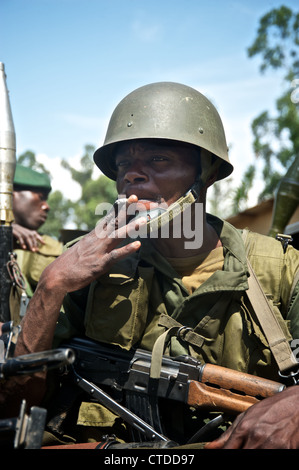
{"points": [[26, 430], [182, 379], [35, 362]]}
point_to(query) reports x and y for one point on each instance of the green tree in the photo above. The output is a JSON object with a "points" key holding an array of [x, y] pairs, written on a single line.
{"points": [[93, 192], [61, 212], [84, 174], [240, 196], [277, 41], [276, 138], [219, 198]]}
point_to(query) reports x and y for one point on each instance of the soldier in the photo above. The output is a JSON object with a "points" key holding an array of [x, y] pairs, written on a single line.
{"points": [[165, 145], [34, 250], [30, 185]]}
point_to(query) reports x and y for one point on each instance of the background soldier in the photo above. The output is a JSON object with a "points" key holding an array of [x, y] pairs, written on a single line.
{"points": [[34, 250]]}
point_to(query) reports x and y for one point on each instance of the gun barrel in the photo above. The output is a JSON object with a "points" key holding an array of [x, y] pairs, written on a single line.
{"points": [[31, 363]]}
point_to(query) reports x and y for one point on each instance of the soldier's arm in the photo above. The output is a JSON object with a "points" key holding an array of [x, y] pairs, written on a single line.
{"points": [[74, 269]]}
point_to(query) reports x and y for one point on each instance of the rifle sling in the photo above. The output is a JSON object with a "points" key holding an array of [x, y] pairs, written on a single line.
{"points": [[173, 328], [278, 343]]}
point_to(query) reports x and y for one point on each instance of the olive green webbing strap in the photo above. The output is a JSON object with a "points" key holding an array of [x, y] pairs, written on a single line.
{"points": [[158, 351], [278, 343], [173, 328], [277, 340], [174, 210]]}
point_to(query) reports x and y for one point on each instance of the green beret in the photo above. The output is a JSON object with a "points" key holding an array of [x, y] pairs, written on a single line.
{"points": [[25, 176]]}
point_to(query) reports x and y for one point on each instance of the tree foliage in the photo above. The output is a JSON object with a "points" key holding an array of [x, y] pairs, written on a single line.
{"points": [[61, 211], [28, 159], [83, 175], [277, 41], [276, 138], [93, 192]]}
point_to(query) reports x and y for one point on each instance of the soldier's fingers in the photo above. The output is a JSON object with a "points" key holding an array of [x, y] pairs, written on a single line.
{"points": [[121, 252], [22, 243], [122, 210], [115, 218], [130, 230]]}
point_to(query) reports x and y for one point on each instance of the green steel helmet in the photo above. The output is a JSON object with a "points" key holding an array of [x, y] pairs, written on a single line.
{"points": [[168, 111]]}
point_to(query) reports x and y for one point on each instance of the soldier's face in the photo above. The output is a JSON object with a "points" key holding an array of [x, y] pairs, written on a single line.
{"points": [[30, 208], [156, 171]]}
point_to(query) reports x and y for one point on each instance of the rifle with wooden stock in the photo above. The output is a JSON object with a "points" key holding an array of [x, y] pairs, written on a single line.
{"points": [[182, 379]]}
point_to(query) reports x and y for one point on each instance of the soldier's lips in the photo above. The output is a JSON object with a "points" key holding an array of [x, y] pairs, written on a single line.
{"points": [[144, 207]]}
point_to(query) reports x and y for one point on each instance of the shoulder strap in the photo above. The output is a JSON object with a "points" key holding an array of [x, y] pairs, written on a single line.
{"points": [[274, 334], [278, 343]]}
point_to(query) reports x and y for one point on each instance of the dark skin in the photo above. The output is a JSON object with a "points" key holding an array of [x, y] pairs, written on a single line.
{"points": [[30, 210], [150, 171], [273, 423]]}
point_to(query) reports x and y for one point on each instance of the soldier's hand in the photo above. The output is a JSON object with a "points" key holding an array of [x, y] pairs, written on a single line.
{"points": [[27, 239], [96, 252], [273, 423]]}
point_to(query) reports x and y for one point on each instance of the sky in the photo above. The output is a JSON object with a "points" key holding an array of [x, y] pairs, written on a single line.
{"points": [[69, 62]]}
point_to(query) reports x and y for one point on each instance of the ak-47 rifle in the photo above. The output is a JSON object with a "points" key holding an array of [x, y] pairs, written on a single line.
{"points": [[182, 379], [7, 171]]}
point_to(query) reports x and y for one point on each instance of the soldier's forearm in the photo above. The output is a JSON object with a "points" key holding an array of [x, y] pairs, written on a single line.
{"points": [[37, 331], [38, 325]]}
